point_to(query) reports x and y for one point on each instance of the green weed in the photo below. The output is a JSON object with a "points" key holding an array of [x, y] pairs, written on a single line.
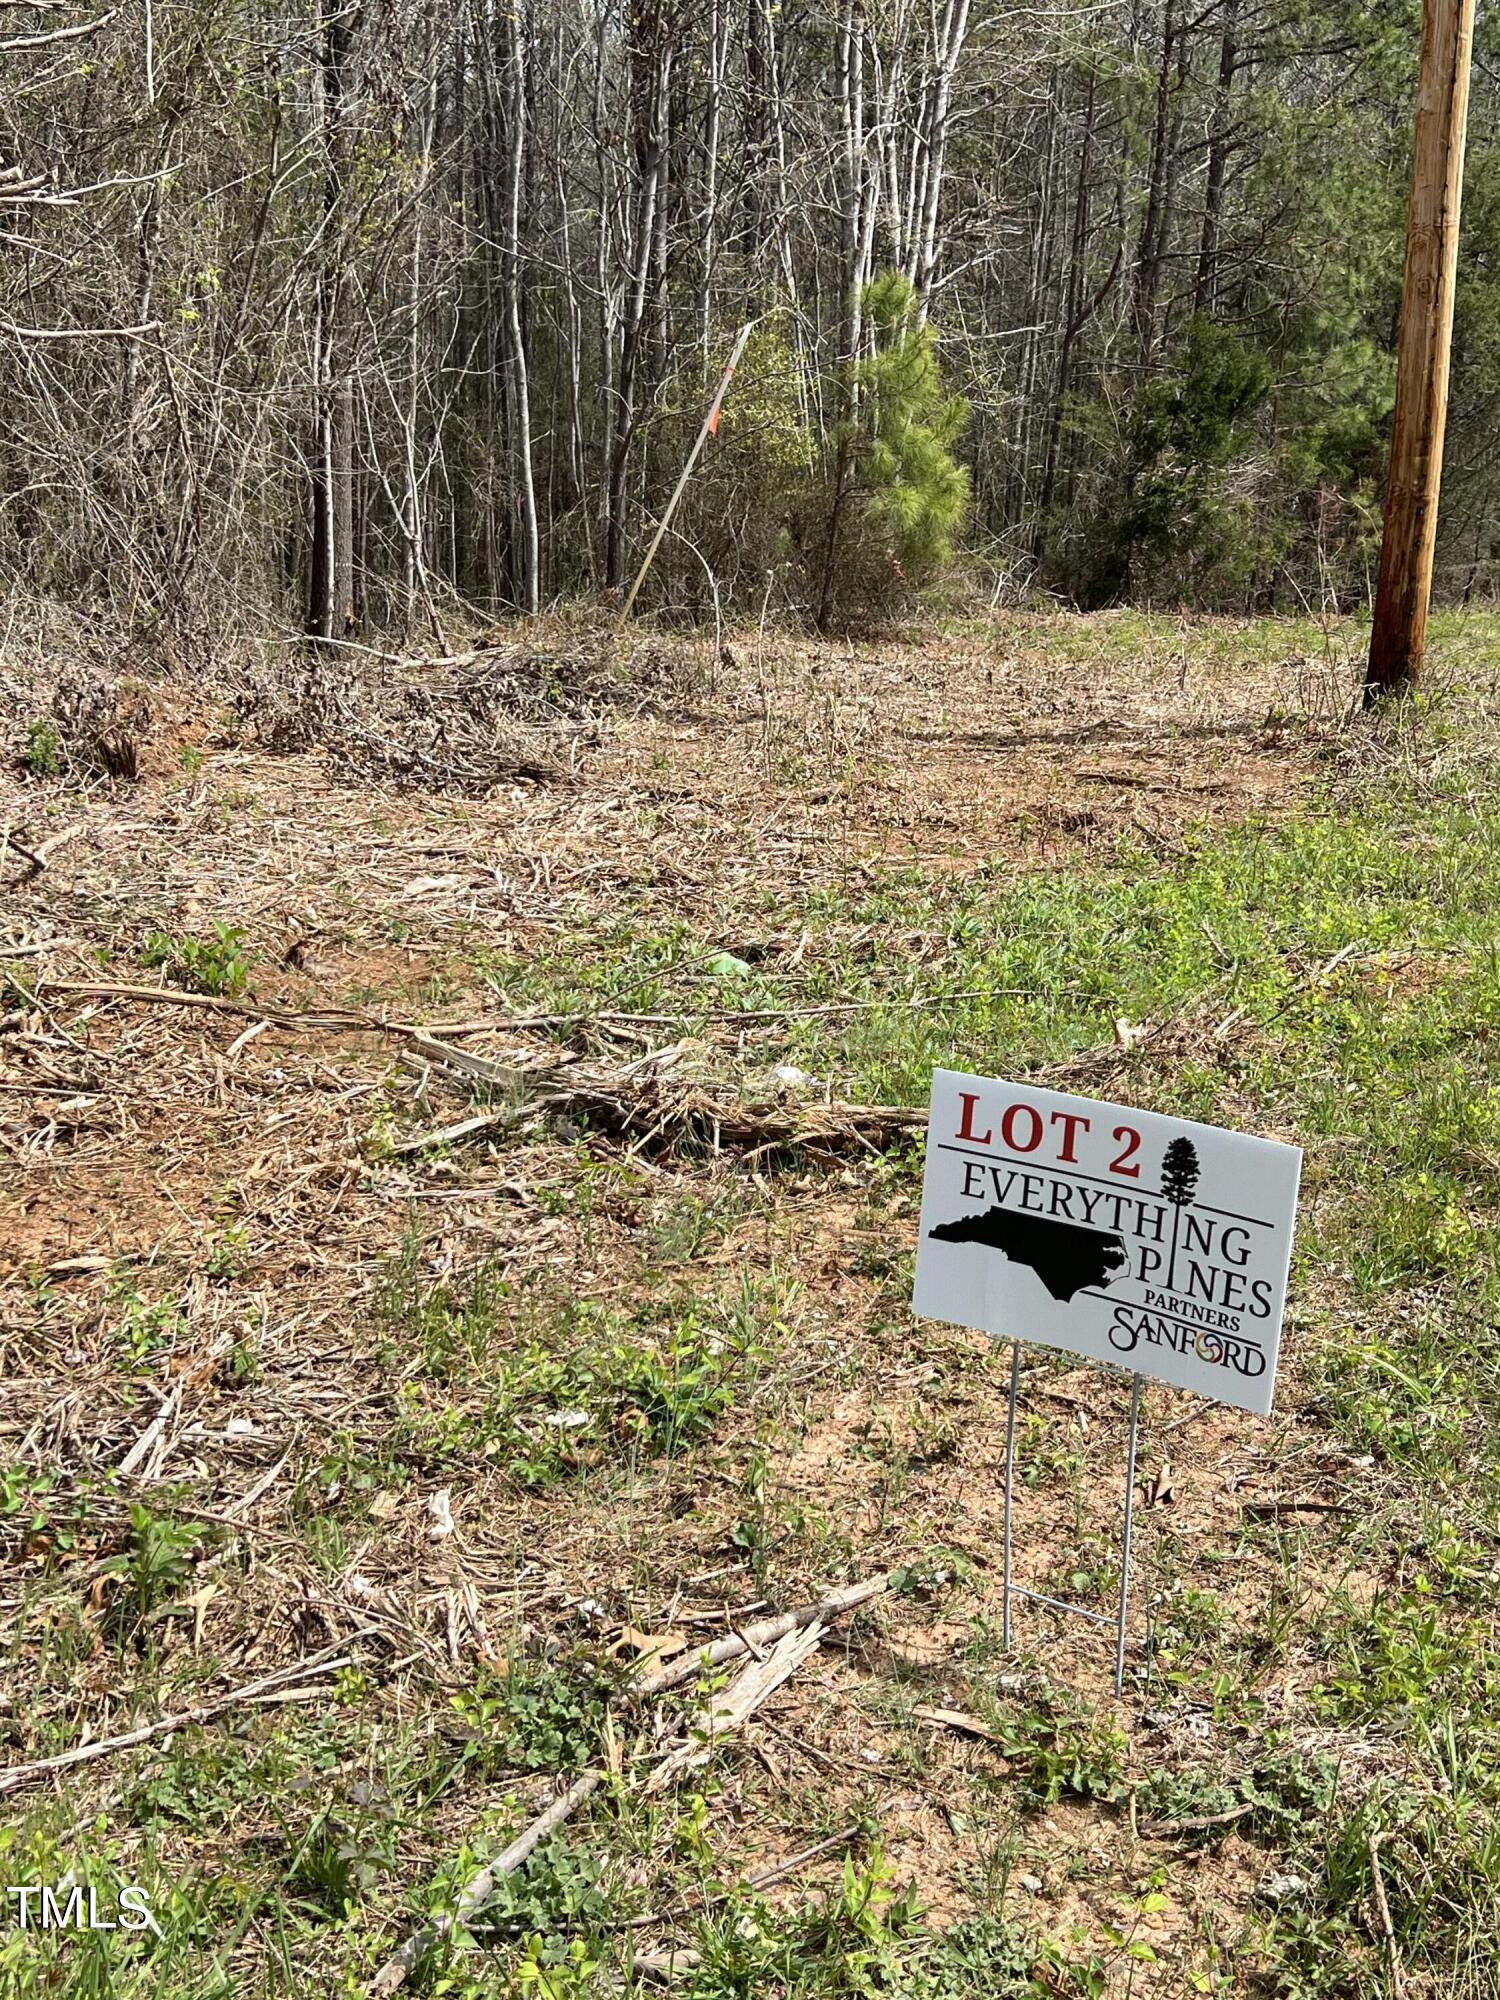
{"points": [[219, 964], [533, 1717], [553, 1385], [1060, 1752], [347, 1849], [156, 1564], [43, 753]]}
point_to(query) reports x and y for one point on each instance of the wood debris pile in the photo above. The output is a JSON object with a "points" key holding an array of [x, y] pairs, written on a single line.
{"points": [[459, 722]]}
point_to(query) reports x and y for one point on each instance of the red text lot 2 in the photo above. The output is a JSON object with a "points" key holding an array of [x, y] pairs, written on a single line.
{"points": [[1046, 1135]]}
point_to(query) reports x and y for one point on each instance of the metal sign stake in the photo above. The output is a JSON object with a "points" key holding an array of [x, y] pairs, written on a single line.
{"points": [[1010, 1462], [1135, 1417], [1009, 1589]]}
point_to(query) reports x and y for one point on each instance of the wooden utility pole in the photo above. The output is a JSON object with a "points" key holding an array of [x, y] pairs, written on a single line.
{"points": [[1399, 634]]}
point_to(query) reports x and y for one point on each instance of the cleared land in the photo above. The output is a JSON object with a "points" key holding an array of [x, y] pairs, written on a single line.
{"points": [[271, 1322]]}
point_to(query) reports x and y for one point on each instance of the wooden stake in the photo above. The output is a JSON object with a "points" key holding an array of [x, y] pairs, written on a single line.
{"points": [[710, 429], [1398, 637]]}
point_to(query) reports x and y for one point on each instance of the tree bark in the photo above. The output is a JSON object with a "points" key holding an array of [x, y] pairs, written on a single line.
{"points": [[1074, 320], [1148, 254], [331, 608], [1218, 157], [651, 64], [517, 100]]}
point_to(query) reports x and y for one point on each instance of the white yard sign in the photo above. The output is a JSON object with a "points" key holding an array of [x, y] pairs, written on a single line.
{"points": [[1120, 1235]]}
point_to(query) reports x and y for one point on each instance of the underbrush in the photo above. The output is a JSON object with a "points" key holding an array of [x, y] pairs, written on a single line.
{"points": [[547, 1386]]}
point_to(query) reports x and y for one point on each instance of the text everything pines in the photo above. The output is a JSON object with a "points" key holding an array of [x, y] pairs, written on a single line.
{"points": [[1211, 1253]]}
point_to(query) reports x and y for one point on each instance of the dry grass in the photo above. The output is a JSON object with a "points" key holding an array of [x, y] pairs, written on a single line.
{"points": [[222, 1255]]}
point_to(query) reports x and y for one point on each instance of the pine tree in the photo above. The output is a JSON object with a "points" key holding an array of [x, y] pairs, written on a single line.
{"points": [[898, 495], [1179, 1179]]}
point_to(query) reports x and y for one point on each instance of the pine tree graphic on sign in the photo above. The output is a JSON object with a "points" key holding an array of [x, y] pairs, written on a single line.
{"points": [[1179, 1179]]}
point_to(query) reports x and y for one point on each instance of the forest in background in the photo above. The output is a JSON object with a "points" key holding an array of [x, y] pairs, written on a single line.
{"points": [[344, 316]]}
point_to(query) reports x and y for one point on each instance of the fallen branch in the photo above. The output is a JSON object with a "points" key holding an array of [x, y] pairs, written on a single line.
{"points": [[165, 1725], [36, 857], [636, 1101], [483, 1067], [467, 1128], [956, 1720], [796, 1634], [685, 1015], [728, 1710], [217, 1003], [401, 757], [632, 1101], [480, 1887], [766, 1633], [1383, 1911], [1168, 1829]]}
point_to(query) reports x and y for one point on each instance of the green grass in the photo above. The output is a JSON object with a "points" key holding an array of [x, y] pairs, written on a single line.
{"points": [[1331, 977], [1337, 981], [549, 1386]]}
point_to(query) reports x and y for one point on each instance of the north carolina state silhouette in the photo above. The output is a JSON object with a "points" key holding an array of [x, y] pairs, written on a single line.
{"points": [[1065, 1257]]}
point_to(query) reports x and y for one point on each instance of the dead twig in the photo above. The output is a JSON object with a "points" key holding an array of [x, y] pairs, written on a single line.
{"points": [[481, 1886], [760, 1878], [467, 1128], [666, 1965], [729, 1710], [636, 1100], [1168, 1829], [955, 1719], [766, 1633], [165, 1725], [215, 1003], [1383, 1911], [908, 1003], [796, 1634], [629, 1100], [36, 858]]}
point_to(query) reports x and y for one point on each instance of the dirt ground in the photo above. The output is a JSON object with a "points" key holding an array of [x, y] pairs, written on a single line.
{"points": [[193, 1178]]}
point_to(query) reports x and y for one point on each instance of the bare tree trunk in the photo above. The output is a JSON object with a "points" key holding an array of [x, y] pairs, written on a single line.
{"points": [[950, 49], [718, 56], [651, 58], [757, 127], [1148, 255], [853, 239], [609, 293], [331, 607], [783, 207], [1074, 320], [529, 566], [857, 235], [1398, 630], [410, 510], [1218, 157]]}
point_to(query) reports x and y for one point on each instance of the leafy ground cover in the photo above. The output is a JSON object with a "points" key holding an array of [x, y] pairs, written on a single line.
{"points": [[266, 1339]]}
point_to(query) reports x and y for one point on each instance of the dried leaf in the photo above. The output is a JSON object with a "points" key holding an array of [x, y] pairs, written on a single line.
{"points": [[954, 1718], [658, 1646]]}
